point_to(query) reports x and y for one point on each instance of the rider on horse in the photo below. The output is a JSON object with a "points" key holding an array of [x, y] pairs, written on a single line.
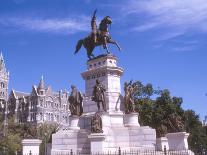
{"points": [[102, 33], [99, 36]]}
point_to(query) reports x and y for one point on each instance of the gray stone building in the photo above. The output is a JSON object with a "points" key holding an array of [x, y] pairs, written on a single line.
{"points": [[4, 82], [38, 106]]}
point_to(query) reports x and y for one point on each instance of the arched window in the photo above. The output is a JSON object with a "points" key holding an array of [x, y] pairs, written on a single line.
{"points": [[2, 85]]}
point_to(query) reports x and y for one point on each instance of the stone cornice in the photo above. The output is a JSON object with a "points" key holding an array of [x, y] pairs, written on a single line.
{"points": [[117, 70]]}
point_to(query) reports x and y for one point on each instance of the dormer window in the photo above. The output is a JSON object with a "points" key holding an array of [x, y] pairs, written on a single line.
{"points": [[41, 92]]}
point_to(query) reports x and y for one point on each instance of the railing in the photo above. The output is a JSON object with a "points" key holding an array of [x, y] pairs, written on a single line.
{"points": [[134, 152], [131, 152]]}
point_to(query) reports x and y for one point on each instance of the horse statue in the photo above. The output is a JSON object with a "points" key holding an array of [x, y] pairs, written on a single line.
{"points": [[97, 37]]}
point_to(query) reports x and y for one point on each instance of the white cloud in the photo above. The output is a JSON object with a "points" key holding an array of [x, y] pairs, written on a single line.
{"points": [[145, 27], [169, 35], [184, 48], [62, 26], [180, 16]]}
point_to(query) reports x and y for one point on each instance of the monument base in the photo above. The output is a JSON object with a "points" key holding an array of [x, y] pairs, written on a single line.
{"points": [[177, 141], [66, 140], [97, 142], [115, 134], [123, 130]]}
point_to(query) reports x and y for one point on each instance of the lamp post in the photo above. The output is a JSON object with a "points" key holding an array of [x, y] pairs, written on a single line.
{"points": [[5, 118], [45, 134], [4, 110]]}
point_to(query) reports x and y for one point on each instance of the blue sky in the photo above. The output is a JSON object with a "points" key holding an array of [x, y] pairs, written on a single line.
{"points": [[163, 42]]}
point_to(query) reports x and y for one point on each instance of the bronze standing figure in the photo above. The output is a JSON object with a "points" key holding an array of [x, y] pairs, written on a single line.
{"points": [[75, 100], [97, 37], [128, 98], [99, 95]]}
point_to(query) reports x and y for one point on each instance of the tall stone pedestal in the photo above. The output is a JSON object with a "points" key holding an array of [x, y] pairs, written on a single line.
{"points": [[106, 70], [97, 141], [131, 119], [177, 141], [161, 144], [31, 146], [74, 122]]}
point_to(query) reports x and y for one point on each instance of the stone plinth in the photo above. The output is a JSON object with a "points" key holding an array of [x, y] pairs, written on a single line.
{"points": [[131, 119], [177, 141], [162, 143], [129, 138], [97, 142], [106, 70], [74, 122], [116, 118], [66, 140], [31, 145]]}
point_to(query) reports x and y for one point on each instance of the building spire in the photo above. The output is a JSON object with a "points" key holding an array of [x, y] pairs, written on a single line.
{"points": [[1, 61], [1, 56], [41, 84]]}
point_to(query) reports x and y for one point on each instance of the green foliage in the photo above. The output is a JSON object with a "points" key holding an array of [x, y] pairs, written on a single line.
{"points": [[44, 132], [197, 139], [158, 109], [11, 142]]}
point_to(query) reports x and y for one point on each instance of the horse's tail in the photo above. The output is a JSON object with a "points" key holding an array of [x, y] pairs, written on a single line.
{"points": [[78, 46]]}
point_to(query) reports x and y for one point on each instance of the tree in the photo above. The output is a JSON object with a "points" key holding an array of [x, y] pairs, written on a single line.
{"points": [[158, 109], [197, 139], [44, 132], [11, 142]]}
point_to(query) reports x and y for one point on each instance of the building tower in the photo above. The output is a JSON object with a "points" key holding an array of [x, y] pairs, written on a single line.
{"points": [[4, 82]]}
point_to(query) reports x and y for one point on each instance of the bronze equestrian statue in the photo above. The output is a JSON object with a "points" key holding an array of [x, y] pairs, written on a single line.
{"points": [[99, 36]]}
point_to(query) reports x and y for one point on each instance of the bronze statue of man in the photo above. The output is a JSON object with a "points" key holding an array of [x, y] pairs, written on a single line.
{"points": [[99, 95], [128, 99], [75, 100]]}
